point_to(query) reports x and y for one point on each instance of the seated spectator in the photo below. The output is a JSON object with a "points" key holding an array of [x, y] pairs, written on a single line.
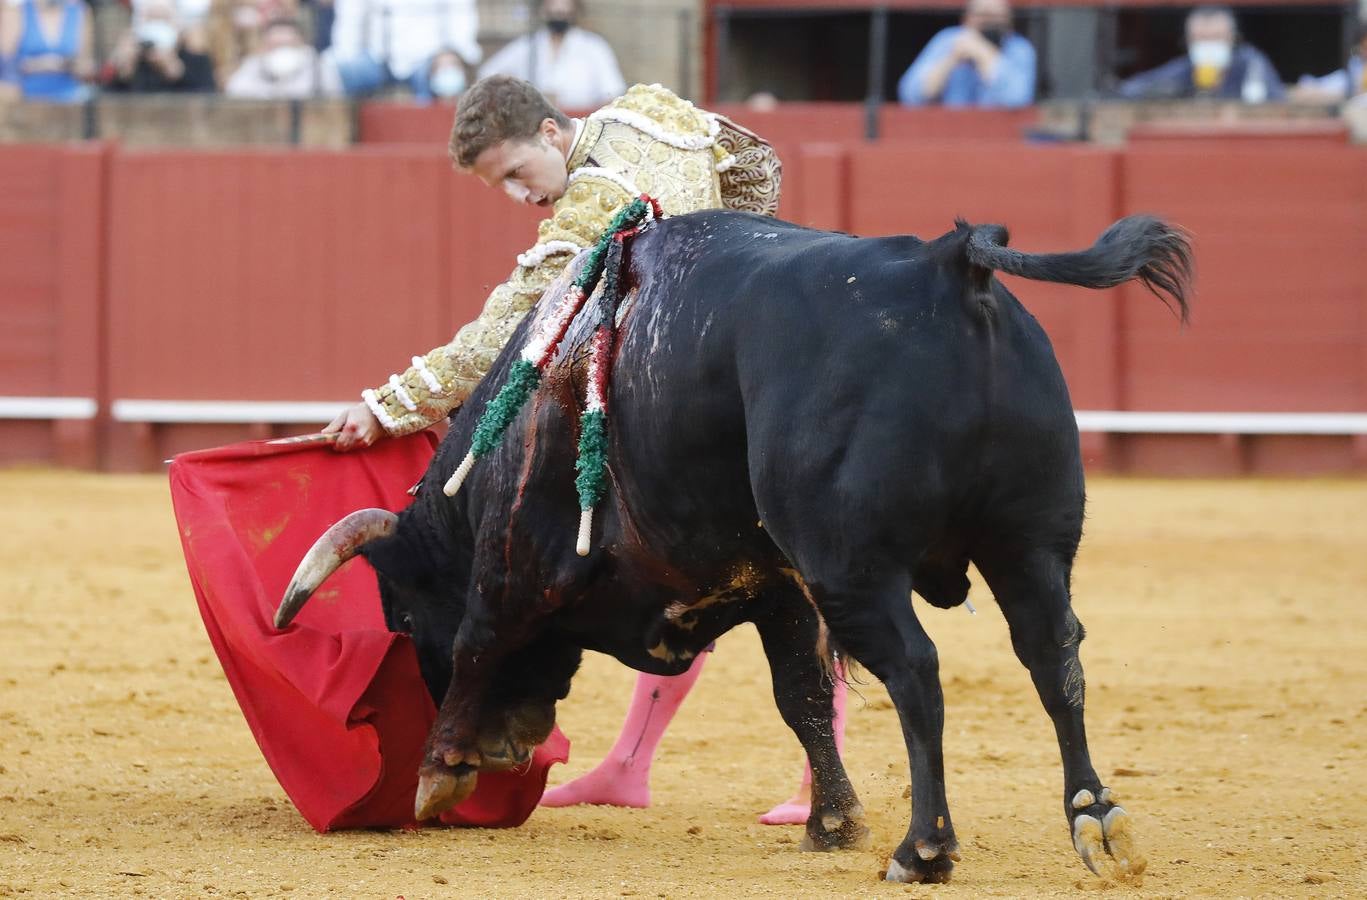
{"points": [[232, 29], [382, 43], [284, 67], [45, 46], [981, 62], [573, 68], [153, 56], [1217, 64], [447, 76], [1346, 85]]}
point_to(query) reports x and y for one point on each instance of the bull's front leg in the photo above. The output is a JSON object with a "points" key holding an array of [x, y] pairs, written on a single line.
{"points": [[452, 757]]}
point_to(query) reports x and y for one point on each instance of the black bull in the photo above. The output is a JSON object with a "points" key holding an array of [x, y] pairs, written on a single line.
{"points": [[801, 423]]}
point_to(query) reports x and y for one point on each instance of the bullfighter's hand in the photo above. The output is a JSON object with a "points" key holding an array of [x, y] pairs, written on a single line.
{"points": [[355, 426]]}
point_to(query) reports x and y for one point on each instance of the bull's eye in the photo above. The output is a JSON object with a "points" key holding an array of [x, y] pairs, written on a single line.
{"points": [[405, 623]]}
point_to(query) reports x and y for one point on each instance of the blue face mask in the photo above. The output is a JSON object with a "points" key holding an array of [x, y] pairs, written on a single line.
{"points": [[448, 81]]}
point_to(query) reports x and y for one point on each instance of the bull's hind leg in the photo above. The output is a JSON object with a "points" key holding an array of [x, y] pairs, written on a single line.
{"points": [[803, 691], [1033, 593], [871, 617]]}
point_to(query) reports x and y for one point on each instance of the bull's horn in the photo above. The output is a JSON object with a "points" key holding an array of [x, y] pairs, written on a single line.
{"points": [[337, 545]]}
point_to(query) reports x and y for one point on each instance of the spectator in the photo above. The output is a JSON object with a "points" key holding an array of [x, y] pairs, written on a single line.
{"points": [[153, 56], [285, 67], [982, 62], [447, 76], [233, 28], [380, 43], [1217, 64], [46, 46], [1347, 85], [571, 67]]}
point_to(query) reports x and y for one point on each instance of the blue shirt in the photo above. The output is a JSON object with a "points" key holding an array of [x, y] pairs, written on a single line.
{"points": [[56, 87], [1347, 82], [1013, 84]]}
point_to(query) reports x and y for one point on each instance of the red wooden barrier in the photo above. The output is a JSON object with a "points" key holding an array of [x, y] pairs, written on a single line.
{"points": [[52, 227], [1280, 322], [938, 123], [272, 275], [404, 123], [306, 276]]}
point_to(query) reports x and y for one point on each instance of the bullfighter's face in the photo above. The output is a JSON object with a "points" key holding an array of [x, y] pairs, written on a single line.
{"points": [[532, 170]]}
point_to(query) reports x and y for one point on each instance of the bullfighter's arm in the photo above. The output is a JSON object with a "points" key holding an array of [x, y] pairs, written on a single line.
{"points": [[441, 380]]}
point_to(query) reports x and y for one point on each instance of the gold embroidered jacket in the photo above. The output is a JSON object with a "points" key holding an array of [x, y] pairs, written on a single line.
{"points": [[647, 141]]}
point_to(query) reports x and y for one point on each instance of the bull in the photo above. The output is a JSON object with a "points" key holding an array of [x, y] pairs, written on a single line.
{"points": [[806, 428]]}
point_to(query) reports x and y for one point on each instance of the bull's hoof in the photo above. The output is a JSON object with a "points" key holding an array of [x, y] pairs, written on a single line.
{"points": [[926, 860], [505, 755], [931, 862], [1103, 835], [833, 830], [921, 871], [440, 788]]}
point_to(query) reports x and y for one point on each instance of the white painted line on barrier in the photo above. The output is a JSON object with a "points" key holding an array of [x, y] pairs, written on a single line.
{"points": [[246, 411], [47, 408], [225, 411], [1221, 422]]}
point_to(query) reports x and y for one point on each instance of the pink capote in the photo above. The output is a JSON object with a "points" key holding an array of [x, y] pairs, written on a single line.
{"points": [[335, 702]]}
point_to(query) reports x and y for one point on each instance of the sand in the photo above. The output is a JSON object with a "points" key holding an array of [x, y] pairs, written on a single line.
{"points": [[1226, 664]]}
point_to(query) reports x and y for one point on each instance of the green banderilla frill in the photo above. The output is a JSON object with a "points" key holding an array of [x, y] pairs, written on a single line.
{"points": [[592, 461], [525, 376], [523, 379]]}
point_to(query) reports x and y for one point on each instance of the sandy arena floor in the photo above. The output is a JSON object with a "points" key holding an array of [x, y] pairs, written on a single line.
{"points": [[1227, 679]]}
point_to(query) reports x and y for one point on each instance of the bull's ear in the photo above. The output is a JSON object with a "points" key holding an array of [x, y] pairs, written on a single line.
{"points": [[337, 545]]}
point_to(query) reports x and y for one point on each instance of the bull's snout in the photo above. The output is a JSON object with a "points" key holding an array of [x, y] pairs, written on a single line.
{"points": [[440, 788]]}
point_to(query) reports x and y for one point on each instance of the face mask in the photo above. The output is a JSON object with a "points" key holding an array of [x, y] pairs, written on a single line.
{"points": [[448, 81], [558, 26], [1210, 54], [162, 35], [282, 62], [994, 34]]}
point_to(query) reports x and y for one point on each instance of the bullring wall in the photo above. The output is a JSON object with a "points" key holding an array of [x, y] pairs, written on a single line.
{"points": [[175, 299]]}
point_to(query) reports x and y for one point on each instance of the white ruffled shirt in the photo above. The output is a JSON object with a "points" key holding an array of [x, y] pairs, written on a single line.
{"points": [[583, 75]]}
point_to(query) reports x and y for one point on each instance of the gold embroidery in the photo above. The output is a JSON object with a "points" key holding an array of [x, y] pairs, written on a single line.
{"points": [[681, 180]]}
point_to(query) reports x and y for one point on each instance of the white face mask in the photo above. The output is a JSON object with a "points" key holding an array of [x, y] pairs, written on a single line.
{"points": [[448, 81], [162, 35], [282, 62], [1215, 54]]}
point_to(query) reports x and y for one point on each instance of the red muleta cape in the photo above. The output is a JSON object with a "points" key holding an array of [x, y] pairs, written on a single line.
{"points": [[335, 702]]}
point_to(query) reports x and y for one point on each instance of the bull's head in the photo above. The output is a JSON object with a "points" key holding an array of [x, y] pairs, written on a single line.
{"points": [[420, 604], [422, 578]]}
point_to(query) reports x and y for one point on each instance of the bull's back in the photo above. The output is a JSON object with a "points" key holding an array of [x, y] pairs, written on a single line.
{"points": [[758, 351]]}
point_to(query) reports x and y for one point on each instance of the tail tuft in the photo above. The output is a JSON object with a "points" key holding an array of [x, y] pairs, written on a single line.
{"points": [[1136, 247]]}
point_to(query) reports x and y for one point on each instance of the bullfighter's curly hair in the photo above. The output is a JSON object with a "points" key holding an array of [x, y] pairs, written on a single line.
{"points": [[497, 109]]}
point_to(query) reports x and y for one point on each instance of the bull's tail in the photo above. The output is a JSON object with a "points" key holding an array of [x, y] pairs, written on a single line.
{"points": [[1142, 247]]}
